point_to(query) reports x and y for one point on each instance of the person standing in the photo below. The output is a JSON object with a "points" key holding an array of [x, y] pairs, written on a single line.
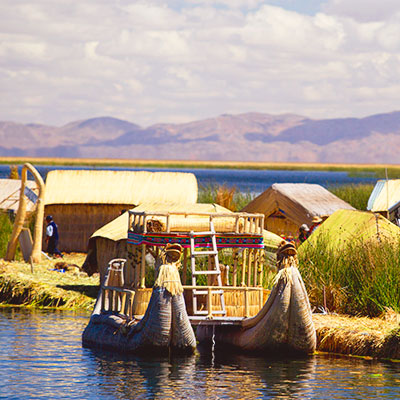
{"points": [[303, 233], [316, 222], [52, 237]]}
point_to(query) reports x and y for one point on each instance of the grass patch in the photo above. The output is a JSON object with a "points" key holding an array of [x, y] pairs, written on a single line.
{"points": [[361, 279], [5, 233], [45, 287], [356, 195]]}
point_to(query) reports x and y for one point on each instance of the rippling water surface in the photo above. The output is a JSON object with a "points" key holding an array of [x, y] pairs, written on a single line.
{"points": [[41, 357], [245, 180]]}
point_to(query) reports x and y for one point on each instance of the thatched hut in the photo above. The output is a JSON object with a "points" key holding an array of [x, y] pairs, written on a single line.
{"points": [[345, 227], [385, 199], [10, 193], [83, 201], [287, 206]]}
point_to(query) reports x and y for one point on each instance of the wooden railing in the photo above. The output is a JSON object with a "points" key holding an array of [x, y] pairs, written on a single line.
{"points": [[120, 300], [244, 289], [243, 222], [117, 299]]}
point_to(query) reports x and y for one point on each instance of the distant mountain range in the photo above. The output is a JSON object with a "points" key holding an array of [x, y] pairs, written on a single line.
{"points": [[242, 137]]}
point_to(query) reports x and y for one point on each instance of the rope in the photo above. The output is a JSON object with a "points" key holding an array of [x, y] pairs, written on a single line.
{"points": [[213, 346]]}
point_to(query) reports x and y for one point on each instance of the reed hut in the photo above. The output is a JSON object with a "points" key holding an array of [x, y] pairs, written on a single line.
{"points": [[83, 201], [287, 206], [385, 199], [10, 193], [354, 227]]}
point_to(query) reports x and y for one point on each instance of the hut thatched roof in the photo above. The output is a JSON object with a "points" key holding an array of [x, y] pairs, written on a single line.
{"points": [[380, 200], [10, 192], [352, 226], [299, 202], [119, 187]]}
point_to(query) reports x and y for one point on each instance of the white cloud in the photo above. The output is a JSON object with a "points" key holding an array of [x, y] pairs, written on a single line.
{"points": [[363, 10], [155, 61]]}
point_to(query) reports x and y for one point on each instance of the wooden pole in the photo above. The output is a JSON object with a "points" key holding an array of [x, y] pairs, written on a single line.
{"points": [[209, 302], [387, 194], [261, 269], [242, 283], [249, 265], [256, 257], [143, 268], [123, 303], [103, 299], [235, 264], [246, 303], [184, 272]]}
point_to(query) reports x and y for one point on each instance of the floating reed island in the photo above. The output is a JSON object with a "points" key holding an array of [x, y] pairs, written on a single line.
{"points": [[45, 288], [226, 305], [48, 284]]}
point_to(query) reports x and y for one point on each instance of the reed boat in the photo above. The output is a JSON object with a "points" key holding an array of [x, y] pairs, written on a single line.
{"points": [[165, 325], [215, 287]]}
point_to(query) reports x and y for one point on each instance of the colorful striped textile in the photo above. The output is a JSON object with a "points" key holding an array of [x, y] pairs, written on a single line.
{"points": [[223, 240]]}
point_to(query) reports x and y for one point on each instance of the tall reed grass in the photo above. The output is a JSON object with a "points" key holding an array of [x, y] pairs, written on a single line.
{"points": [[5, 233], [361, 279], [356, 195], [228, 197]]}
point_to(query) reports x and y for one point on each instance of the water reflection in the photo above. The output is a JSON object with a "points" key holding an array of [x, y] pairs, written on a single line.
{"points": [[41, 357]]}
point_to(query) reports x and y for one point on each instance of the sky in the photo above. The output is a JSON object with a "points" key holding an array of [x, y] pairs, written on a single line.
{"points": [[155, 61]]}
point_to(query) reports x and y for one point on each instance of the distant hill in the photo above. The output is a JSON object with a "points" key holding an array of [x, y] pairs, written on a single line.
{"points": [[242, 137]]}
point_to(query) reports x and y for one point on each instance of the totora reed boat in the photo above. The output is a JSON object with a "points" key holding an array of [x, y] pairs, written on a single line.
{"points": [[191, 270]]}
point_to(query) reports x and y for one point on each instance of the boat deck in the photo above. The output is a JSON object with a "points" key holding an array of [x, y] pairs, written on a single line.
{"points": [[216, 320]]}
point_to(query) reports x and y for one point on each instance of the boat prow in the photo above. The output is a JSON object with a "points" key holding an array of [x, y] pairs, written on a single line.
{"points": [[164, 327], [284, 324]]}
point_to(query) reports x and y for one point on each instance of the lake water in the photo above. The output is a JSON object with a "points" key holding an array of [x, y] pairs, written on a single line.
{"points": [[41, 357], [245, 180]]}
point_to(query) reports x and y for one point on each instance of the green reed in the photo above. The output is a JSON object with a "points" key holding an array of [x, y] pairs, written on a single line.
{"points": [[231, 197], [5, 233], [356, 195], [361, 279]]}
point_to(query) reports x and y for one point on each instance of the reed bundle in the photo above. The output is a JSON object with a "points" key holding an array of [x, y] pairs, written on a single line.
{"points": [[168, 278], [373, 337]]}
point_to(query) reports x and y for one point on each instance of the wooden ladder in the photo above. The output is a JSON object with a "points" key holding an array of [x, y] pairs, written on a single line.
{"points": [[216, 272]]}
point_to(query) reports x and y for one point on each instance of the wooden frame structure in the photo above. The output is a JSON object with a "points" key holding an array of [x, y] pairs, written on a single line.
{"points": [[148, 232]]}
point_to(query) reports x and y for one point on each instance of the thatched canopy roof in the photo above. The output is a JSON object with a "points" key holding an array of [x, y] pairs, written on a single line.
{"points": [[299, 202], [353, 226], [382, 200], [118, 228], [116, 231], [119, 187], [10, 191]]}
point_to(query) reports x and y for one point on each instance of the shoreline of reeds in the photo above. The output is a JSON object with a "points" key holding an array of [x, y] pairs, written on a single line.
{"points": [[44, 286], [376, 170], [377, 338]]}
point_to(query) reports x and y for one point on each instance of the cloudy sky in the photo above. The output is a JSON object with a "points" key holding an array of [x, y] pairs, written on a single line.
{"points": [[176, 61]]}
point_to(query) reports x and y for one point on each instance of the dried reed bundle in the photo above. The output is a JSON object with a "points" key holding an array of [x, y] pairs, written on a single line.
{"points": [[372, 337], [168, 278]]}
